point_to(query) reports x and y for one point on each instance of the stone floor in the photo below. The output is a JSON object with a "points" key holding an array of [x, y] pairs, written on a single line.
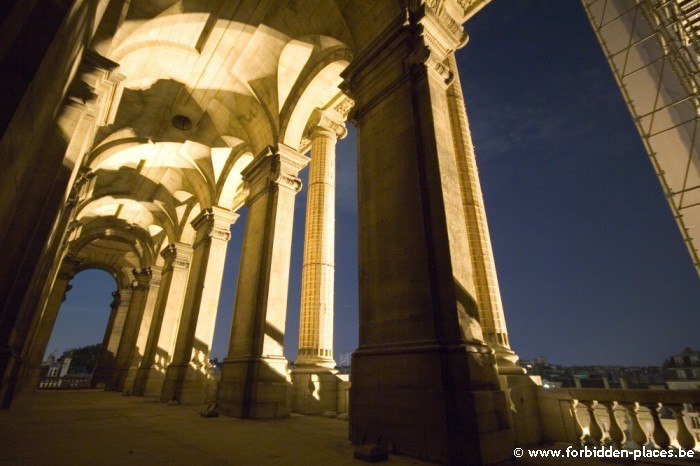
{"points": [[96, 427]]}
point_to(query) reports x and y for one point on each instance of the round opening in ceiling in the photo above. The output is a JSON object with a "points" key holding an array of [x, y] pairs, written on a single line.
{"points": [[181, 122]]}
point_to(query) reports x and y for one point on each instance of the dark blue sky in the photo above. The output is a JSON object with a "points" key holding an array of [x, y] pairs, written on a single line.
{"points": [[592, 267]]}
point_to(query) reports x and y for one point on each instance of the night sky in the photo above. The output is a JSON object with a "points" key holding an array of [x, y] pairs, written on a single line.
{"points": [[591, 265]]}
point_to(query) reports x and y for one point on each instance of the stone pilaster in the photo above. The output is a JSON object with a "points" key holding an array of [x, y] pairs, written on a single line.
{"points": [[423, 379], [149, 309], [254, 379], [186, 377], [164, 324], [488, 294], [32, 366], [140, 288], [105, 370], [37, 184]]}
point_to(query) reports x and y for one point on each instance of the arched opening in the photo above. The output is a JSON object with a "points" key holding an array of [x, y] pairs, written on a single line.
{"points": [[573, 204], [224, 315], [346, 269], [346, 302], [73, 349]]}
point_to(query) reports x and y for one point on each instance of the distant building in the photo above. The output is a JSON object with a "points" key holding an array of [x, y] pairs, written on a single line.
{"points": [[595, 376], [56, 374], [682, 370]]}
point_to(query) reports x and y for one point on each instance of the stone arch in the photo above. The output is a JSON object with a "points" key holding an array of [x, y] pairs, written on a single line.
{"points": [[189, 161], [160, 215], [119, 274], [136, 240], [321, 74], [231, 183]]}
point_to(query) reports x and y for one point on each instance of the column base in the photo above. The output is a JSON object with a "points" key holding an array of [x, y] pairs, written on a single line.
{"points": [[29, 379], [256, 388], [525, 410], [435, 402], [10, 365], [112, 380], [507, 360], [314, 390], [184, 384], [129, 377], [149, 381]]}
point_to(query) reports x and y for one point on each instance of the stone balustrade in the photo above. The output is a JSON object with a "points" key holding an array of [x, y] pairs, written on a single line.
{"points": [[67, 382], [621, 417]]}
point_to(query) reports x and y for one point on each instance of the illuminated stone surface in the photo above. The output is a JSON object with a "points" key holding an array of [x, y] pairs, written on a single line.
{"points": [[152, 123]]}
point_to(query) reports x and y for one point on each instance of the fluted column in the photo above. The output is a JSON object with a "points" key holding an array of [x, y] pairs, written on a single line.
{"points": [[163, 330], [140, 288], [32, 367], [254, 379], [318, 269], [488, 294], [186, 376]]}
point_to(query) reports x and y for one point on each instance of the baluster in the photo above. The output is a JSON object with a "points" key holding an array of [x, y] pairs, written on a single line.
{"points": [[616, 434], [594, 429], [577, 425], [683, 435], [637, 434], [660, 436]]}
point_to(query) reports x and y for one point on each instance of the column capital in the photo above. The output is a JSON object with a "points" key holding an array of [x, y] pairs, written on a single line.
{"points": [[214, 222], [435, 35], [178, 255], [156, 275], [69, 267], [325, 123], [275, 167], [99, 79], [440, 22], [116, 298], [142, 278], [415, 42], [330, 120]]}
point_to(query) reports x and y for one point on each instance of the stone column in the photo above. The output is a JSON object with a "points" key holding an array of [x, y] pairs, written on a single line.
{"points": [[110, 345], [32, 367], [99, 374], [315, 365], [144, 328], [186, 377], [163, 329], [254, 379], [37, 181], [488, 294], [423, 379], [140, 288]]}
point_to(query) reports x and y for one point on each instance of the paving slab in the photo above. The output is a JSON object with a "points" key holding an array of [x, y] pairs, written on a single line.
{"points": [[96, 427]]}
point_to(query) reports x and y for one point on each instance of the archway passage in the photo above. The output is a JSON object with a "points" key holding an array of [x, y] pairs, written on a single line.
{"points": [[180, 112], [72, 352], [82, 323]]}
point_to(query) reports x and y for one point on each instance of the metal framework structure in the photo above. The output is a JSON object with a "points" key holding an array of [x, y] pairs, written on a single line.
{"points": [[653, 48]]}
